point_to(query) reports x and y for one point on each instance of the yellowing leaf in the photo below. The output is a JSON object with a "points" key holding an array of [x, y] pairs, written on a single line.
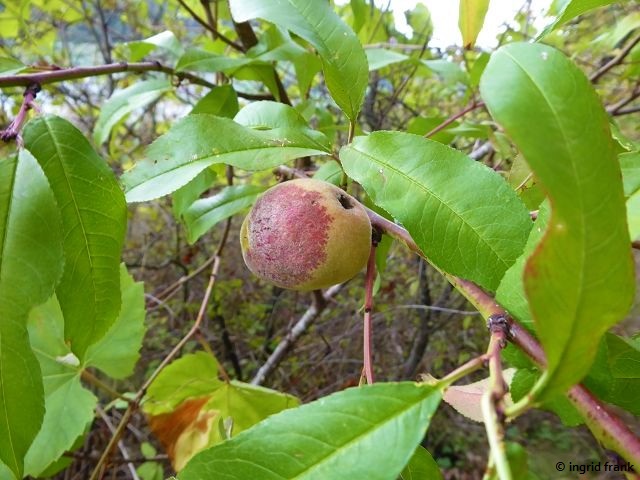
{"points": [[471, 19]]}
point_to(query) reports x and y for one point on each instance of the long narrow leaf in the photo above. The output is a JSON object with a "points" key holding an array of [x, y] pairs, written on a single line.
{"points": [[579, 280]]}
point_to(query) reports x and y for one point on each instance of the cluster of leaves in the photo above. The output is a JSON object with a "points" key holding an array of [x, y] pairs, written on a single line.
{"points": [[66, 303]]}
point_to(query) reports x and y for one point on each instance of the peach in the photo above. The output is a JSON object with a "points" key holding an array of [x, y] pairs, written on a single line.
{"points": [[305, 235]]}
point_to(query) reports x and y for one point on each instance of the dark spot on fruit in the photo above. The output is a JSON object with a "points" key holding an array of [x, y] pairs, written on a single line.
{"points": [[345, 201]]}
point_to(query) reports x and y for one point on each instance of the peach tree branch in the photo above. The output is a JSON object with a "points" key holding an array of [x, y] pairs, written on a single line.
{"points": [[600, 419], [73, 73], [302, 325], [13, 130]]}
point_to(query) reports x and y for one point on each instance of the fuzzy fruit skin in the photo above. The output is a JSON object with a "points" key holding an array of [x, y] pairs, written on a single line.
{"points": [[305, 235]]}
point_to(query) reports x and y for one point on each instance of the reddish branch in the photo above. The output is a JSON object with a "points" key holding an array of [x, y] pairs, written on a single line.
{"points": [[368, 307], [598, 417], [493, 398], [13, 130]]}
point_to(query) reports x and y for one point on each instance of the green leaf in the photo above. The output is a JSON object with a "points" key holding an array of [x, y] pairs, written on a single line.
{"points": [[221, 101], [125, 101], [31, 263], [344, 61], [276, 44], [150, 471], [141, 48], [259, 72], [190, 376], [630, 166], [207, 212], [633, 216], [246, 405], [477, 67], [419, 19], [189, 193], [422, 466], [471, 19], [462, 214], [268, 115], [615, 377], [423, 125], [521, 178], [118, 351], [330, 171], [10, 66], [450, 72], [198, 141], [525, 379], [93, 218], [624, 356], [579, 281], [203, 411], [510, 293], [46, 331], [360, 11], [381, 57], [69, 406], [370, 432], [572, 9], [195, 60], [69, 411]]}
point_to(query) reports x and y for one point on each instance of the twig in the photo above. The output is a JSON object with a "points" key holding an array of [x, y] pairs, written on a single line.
{"points": [[121, 447], [454, 117], [73, 73], [481, 151], [435, 308], [210, 28], [397, 91], [13, 130], [133, 406], [352, 130], [212, 18], [626, 111], [595, 76], [368, 307], [463, 370], [93, 380], [616, 108], [492, 402], [168, 291], [310, 315], [524, 182]]}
